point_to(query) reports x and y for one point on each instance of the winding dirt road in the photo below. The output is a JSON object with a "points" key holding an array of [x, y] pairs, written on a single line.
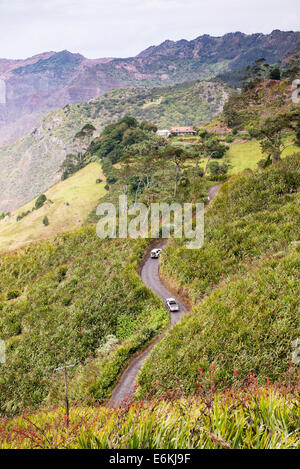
{"points": [[150, 277]]}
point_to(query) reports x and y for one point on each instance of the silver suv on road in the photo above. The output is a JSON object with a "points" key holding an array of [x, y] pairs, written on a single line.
{"points": [[172, 305], [155, 253]]}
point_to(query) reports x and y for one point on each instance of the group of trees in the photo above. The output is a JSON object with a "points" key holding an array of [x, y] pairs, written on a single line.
{"points": [[141, 153], [116, 137], [261, 70], [73, 163], [272, 131], [78, 160], [209, 148], [38, 204], [254, 73]]}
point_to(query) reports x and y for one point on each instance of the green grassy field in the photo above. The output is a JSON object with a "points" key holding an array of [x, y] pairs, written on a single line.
{"points": [[246, 155], [243, 156], [69, 203]]}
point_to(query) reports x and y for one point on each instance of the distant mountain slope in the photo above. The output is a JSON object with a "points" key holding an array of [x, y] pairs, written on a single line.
{"points": [[36, 86], [7, 65], [30, 166], [39, 84]]}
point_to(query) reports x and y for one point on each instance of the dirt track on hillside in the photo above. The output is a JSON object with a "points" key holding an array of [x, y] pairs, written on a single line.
{"points": [[149, 273]]}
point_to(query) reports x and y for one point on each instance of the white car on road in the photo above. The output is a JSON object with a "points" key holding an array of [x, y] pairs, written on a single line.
{"points": [[172, 305], [155, 253]]}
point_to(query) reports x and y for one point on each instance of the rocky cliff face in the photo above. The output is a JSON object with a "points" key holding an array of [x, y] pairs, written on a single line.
{"points": [[47, 81]]}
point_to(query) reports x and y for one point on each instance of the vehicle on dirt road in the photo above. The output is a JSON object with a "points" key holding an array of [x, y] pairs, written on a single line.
{"points": [[155, 253], [172, 305]]}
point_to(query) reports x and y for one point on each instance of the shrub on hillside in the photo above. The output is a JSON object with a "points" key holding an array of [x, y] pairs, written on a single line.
{"points": [[45, 220], [12, 294], [40, 201], [23, 215], [217, 169], [229, 139]]}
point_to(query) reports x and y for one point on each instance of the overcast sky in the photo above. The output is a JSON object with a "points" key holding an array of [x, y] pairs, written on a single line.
{"points": [[123, 28]]}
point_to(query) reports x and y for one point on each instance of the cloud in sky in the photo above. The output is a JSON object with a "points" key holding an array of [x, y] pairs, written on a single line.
{"points": [[122, 28]]}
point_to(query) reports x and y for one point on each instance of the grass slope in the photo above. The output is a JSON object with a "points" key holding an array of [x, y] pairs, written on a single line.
{"points": [[246, 155], [75, 299], [69, 203]]}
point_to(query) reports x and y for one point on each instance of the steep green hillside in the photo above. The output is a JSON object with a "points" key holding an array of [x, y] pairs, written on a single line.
{"points": [[190, 103], [75, 299], [244, 284], [79, 299], [31, 165]]}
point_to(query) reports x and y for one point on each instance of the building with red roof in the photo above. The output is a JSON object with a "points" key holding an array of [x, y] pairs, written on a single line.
{"points": [[182, 131]]}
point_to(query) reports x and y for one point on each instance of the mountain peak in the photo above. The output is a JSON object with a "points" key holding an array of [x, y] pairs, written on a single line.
{"points": [[66, 53]]}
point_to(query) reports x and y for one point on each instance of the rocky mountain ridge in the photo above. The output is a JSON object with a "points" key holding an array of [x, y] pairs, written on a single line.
{"points": [[51, 80]]}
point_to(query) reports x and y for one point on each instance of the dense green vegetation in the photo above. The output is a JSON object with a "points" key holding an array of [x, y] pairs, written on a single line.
{"points": [[253, 105], [189, 103], [250, 320], [76, 299], [242, 419], [38, 204], [126, 136]]}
